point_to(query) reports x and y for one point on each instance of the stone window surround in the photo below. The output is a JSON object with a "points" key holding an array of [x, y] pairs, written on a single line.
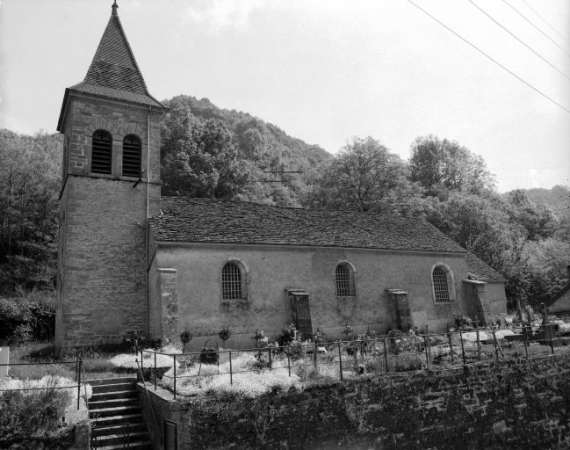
{"points": [[117, 155], [450, 283], [245, 280], [352, 274]]}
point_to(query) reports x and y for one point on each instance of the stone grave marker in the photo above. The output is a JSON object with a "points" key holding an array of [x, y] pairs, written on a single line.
{"points": [[4, 359]]}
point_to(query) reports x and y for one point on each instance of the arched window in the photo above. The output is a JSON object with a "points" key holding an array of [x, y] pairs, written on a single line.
{"points": [[101, 152], [232, 282], [344, 278], [131, 156], [440, 285]]}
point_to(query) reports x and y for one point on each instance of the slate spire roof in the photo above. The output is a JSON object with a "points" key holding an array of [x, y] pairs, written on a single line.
{"points": [[114, 72]]}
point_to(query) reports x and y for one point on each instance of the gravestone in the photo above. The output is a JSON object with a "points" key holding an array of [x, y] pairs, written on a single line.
{"points": [[4, 359]]}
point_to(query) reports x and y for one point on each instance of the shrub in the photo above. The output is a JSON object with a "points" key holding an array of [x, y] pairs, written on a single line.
{"points": [[32, 417], [287, 335], [409, 361], [22, 320]]}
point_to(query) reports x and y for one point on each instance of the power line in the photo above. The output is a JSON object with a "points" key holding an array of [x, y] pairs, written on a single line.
{"points": [[544, 20], [537, 28], [520, 40], [491, 58]]}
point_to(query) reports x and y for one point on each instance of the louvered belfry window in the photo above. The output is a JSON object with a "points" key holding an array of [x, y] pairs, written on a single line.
{"points": [[344, 280], [440, 286], [102, 152], [131, 156], [231, 282]]}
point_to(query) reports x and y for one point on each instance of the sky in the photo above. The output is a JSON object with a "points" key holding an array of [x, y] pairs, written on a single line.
{"points": [[324, 71]]}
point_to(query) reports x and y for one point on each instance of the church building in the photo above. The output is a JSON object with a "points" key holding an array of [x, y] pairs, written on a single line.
{"points": [[130, 260]]}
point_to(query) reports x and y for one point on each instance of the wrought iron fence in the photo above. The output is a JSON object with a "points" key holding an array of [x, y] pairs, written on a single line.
{"points": [[78, 372], [395, 352]]}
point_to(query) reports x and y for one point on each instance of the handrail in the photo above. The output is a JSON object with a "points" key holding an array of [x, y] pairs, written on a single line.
{"points": [[149, 402], [85, 387]]}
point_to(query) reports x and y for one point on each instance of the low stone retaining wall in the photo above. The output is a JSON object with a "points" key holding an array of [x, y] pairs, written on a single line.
{"points": [[505, 404]]}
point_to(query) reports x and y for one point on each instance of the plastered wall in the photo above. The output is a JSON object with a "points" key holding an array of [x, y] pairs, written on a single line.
{"points": [[270, 270]]}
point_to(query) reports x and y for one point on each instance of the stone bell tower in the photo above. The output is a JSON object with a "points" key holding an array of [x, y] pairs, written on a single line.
{"points": [[110, 186]]}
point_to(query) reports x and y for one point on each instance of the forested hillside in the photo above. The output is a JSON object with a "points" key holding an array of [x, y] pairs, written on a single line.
{"points": [[211, 152]]}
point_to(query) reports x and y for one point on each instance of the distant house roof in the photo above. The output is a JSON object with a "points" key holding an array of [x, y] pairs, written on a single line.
{"points": [[206, 220], [114, 72], [482, 270]]}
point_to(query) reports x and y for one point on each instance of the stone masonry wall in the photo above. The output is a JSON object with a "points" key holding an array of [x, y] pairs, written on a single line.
{"points": [[104, 294], [522, 404], [102, 273]]}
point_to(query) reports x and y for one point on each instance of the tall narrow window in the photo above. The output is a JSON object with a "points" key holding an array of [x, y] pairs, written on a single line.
{"points": [[101, 152], [232, 282], [440, 286], [344, 280], [131, 156]]}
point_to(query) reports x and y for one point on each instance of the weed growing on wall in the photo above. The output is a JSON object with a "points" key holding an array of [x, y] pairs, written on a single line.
{"points": [[355, 411], [263, 415]]}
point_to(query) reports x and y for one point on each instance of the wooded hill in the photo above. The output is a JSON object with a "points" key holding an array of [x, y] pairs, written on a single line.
{"points": [[211, 152]]}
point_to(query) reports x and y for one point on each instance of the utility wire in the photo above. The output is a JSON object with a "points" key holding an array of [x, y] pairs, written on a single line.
{"points": [[537, 28], [521, 41], [544, 20], [491, 58]]}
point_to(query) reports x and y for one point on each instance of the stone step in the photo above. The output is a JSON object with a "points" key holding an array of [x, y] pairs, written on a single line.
{"points": [[130, 386], [112, 381], [126, 440], [113, 395], [98, 431], [117, 411], [119, 419], [112, 403], [133, 446]]}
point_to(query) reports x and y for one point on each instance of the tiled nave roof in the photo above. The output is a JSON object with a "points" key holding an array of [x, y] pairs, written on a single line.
{"points": [[206, 220]]}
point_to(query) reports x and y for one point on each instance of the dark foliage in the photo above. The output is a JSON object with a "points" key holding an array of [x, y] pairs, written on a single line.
{"points": [[22, 320]]}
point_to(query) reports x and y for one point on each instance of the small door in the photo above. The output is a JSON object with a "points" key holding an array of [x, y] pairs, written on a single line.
{"points": [[301, 312], [170, 435]]}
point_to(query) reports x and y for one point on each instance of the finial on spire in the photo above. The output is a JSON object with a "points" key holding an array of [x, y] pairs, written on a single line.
{"points": [[115, 6]]}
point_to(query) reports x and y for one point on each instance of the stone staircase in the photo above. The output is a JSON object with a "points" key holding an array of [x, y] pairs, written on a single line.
{"points": [[117, 418]]}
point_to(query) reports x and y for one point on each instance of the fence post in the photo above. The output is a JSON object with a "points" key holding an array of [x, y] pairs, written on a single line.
{"points": [[340, 360], [385, 354], [315, 354], [154, 370], [550, 333], [495, 344], [478, 345], [269, 358], [175, 376], [80, 362], [231, 375], [450, 346], [142, 366], [289, 359], [462, 346], [426, 343], [525, 339]]}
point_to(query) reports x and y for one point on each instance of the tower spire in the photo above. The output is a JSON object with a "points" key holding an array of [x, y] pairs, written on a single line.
{"points": [[114, 7]]}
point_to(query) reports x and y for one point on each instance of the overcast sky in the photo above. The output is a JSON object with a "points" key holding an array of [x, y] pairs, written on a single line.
{"points": [[323, 71]]}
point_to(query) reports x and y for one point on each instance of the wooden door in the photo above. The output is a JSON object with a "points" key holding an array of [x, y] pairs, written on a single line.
{"points": [[301, 312]]}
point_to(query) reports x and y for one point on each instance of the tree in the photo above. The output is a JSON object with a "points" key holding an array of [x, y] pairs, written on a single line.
{"points": [[199, 159], [538, 221], [29, 188], [364, 176], [442, 165]]}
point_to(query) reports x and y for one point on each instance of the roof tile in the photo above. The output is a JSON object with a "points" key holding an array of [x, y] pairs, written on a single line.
{"points": [[114, 71], [206, 220]]}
